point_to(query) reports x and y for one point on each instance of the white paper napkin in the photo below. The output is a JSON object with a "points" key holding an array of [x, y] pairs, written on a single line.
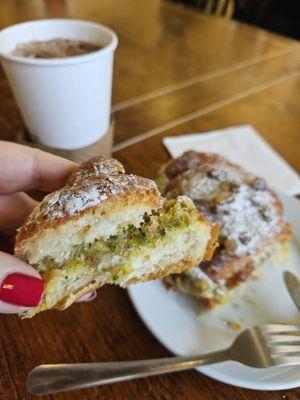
{"points": [[244, 146]]}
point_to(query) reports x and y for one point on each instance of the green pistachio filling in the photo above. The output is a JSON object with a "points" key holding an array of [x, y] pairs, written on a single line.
{"points": [[129, 240]]}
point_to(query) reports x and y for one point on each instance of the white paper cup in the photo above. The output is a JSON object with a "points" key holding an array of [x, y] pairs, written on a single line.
{"points": [[65, 102]]}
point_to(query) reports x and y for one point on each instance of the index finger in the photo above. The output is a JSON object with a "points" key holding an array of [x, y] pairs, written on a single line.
{"points": [[26, 168]]}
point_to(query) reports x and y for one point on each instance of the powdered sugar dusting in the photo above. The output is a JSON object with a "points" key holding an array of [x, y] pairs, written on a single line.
{"points": [[197, 188], [82, 195], [101, 165], [249, 220], [197, 273], [89, 186], [250, 215]]}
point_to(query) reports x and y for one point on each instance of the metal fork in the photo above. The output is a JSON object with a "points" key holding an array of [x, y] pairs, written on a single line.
{"points": [[259, 346]]}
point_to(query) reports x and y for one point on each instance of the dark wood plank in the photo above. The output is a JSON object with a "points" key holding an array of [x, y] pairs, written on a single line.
{"points": [[274, 113], [246, 29], [10, 118], [163, 44], [159, 44], [134, 120], [150, 114]]}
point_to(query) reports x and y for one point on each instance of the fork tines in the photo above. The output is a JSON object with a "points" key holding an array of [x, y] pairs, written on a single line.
{"points": [[283, 342]]}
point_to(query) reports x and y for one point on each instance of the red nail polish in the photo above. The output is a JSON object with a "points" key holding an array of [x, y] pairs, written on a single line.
{"points": [[22, 290]]}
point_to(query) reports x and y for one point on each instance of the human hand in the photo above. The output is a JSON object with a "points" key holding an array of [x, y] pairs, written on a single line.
{"points": [[22, 169]]}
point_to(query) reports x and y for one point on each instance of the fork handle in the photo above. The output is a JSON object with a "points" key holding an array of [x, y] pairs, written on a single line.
{"points": [[54, 378]]}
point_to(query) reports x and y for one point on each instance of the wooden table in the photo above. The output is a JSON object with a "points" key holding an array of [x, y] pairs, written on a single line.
{"points": [[176, 72]]}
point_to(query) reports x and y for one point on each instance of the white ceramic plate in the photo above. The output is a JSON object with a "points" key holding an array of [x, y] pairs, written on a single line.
{"points": [[175, 321]]}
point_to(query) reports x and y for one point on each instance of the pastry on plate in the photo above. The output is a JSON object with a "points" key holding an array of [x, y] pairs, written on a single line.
{"points": [[106, 226], [252, 227]]}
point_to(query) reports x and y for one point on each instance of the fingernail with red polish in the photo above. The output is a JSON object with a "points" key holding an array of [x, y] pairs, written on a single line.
{"points": [[22, 290]]}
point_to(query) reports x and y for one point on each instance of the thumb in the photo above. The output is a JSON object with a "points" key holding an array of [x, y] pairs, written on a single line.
{"points": [[21, 286]]}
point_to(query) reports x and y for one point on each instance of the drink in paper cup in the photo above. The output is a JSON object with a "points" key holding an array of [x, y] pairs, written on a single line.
{"points": [[60, 71]]}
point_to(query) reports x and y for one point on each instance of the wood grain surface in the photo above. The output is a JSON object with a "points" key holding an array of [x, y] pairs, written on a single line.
{"points": [[273, 111], [203, 96], [176, 72]]}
